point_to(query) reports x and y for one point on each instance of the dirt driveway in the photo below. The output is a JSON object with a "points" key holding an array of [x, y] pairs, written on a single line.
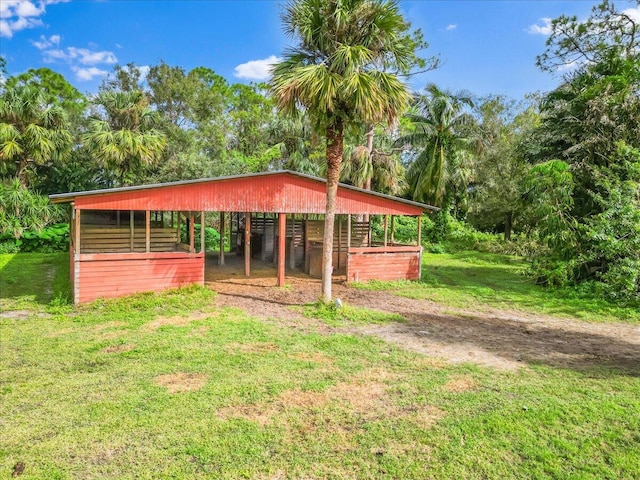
{"points": [[501, 339]]}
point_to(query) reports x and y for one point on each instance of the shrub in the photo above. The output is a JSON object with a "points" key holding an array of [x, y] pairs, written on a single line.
{"points": [[54, 238]]}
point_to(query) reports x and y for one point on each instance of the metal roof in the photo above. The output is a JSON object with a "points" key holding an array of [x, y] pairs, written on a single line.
{"points": [[84, 197]]}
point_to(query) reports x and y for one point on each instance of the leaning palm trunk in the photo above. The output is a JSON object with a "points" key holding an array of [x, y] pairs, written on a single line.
{"points": [[334, 159]]}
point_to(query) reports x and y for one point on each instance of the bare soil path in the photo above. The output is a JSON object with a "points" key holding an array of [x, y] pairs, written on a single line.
{"points": [[503, 339]]}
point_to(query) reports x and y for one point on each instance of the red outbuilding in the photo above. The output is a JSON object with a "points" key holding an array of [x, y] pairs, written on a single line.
{"points": [[142, 238]]}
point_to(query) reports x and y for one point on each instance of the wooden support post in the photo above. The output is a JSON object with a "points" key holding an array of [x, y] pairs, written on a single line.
{"points": [[221, 257], [348, 244], [192, 231], [78, 215], [292, 246], [131, 229], [179, 215], [147, 231], [202, 246], [393, 240], [420, 230], [275, 236], [386, 230], [118, 218], [171, 218], [339, 239], [247, 244], [282, 234], [370, 236]]}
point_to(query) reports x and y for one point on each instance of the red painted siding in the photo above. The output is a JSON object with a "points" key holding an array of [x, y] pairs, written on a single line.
{"points": [[275, 193], [115, 275], [385, 264]]}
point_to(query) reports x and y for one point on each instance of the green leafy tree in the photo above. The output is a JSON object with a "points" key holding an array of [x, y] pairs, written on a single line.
{"points": [[22, 209], [32, 132], [56, 90], [500, 168], [122, 134], [442, 135], [343, 71]]}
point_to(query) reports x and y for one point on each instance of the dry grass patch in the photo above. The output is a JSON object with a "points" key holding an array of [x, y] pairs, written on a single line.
{"points": [[255, 347], [200, 331], [182, 382], [113, 334], [460, 384], [314, 357], [105, 326], [426, 416], [119, 348], [365, 395], [175, 321]]}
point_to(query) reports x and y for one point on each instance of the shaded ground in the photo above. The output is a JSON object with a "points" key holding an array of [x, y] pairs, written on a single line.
{"points": [[502, 339]]}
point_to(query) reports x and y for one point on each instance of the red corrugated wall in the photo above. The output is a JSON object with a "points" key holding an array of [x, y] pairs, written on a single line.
{"points": [[115, 275], [385, 266], [270, 193]]}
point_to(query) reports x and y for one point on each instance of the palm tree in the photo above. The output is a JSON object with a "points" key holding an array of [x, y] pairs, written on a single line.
{"points": [[373, 168], [32, 132], [441, 135], [123, 137], [340, 73]]}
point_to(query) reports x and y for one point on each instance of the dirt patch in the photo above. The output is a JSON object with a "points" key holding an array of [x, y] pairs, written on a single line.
{"points": [[119, 348], [500, 339], [460, 384], [22, 314], [258, 347], [182, 382]]}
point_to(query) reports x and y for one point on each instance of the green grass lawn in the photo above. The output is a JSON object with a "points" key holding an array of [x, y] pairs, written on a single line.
{"points": [[169, 386], [475, 280]]}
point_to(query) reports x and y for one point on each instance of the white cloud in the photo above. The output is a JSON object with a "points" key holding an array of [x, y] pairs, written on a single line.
{"points": [[83, 56], [634, 13], [543, 27], [451, 26], [16, 15], [87, 74], [256, 69], [45, 42]]}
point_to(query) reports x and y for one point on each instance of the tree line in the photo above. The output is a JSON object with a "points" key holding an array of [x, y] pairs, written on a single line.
{"points": [[557, 171]]}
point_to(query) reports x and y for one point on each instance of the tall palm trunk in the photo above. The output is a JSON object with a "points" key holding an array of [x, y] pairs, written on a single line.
{"points": [[335, 132]]}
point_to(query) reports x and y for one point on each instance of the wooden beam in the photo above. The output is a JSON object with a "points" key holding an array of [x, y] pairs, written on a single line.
{"points": [[339, 238], [78, 215], [147, 231], [131, 229], [386, 230], [221, 257], [178, 220], [275, 235], [202, 246], [420, 230], [282, 234], [292, 249], [348, 244], [393, 240], [192, 237], [247, 244]]}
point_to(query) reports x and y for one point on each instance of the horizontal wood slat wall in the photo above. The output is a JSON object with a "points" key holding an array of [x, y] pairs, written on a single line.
{"points": [[118, 239]]}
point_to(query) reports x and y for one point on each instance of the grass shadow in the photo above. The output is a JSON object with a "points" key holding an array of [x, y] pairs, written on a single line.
{"points": [[27, 278]]}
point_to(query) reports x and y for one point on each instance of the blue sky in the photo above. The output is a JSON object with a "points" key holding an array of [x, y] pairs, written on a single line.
{"points": [[487, 47]]}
